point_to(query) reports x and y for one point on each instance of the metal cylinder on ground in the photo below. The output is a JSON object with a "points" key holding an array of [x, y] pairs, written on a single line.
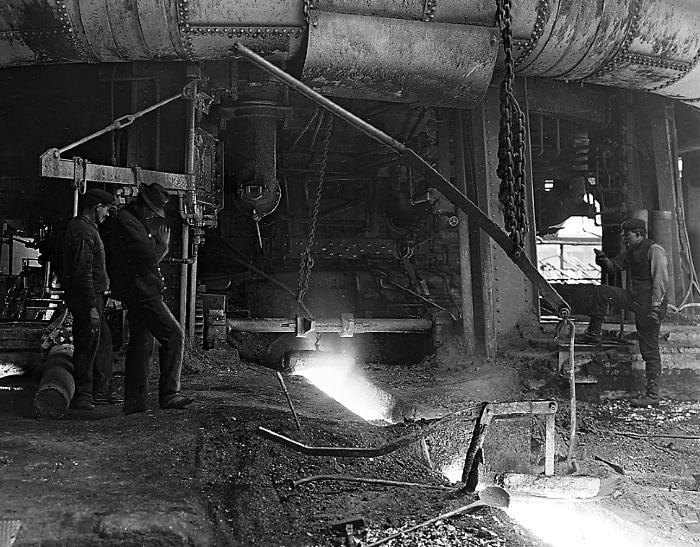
{"points": [[56, 386], [661, 231]]}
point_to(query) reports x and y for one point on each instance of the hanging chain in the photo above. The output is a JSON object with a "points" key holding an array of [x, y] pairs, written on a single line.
{"points": [[511, 140], [306, 263]]}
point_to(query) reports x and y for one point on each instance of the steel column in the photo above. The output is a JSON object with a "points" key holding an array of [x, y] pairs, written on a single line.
{"points": [[663, 129], [465, 260], [484, 143]]}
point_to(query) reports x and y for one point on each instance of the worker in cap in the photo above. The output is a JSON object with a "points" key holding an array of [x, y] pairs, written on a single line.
{"points": [[646, 297], [85, 284], [140, 241]]}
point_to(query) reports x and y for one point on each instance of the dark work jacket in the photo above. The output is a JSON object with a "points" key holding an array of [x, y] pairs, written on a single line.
{"points": [[648, 267], [84, 274], [134, 258]]}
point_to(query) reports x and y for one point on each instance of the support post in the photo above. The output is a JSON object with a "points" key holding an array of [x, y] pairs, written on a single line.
{"points": [[549, 445], [666, 160], [465, 262], [484, 307], [187, 313]]}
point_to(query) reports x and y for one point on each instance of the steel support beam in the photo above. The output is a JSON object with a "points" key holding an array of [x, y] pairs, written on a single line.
{"points": [[56, 167], [344, 326]]}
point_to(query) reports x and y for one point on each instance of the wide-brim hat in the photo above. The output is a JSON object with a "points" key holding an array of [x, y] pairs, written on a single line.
{"points": [[155, 197]]}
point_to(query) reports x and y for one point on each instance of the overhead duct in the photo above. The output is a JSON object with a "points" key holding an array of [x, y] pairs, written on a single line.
{"points": [[399, 60], [433, 51]]}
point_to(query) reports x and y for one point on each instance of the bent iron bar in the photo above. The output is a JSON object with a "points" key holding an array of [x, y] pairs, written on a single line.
{"points": [[450, 191]]}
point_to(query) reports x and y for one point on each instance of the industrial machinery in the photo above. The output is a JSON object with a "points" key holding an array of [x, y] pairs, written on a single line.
{"points": [[288, 221]]}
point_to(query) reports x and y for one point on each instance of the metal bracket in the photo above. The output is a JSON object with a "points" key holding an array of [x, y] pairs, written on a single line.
{"points": [[80, 174], [202, 101], [347, 325], [304, 326], [546, 408]]}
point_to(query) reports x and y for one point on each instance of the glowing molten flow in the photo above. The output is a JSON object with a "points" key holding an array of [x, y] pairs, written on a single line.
{"points": [[338, 378]]}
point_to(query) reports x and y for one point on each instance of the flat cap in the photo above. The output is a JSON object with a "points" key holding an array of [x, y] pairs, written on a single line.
{"points": [[632, 224], [95, 196]]}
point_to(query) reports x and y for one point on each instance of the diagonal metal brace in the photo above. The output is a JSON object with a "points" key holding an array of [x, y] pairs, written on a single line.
{"points": [[202, 103], [449, 190]]}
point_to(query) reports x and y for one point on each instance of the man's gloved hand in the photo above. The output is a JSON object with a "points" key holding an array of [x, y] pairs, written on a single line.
{"points": [[600, 257], [655, 314], [94, 319]]}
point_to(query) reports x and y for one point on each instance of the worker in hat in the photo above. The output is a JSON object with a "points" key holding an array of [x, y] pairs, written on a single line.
{"points": [[85, 284], [646, 297], [140, 241]]}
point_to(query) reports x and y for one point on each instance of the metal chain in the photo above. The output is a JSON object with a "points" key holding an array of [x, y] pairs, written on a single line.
{"points": [[306, 263], [511, 140]]}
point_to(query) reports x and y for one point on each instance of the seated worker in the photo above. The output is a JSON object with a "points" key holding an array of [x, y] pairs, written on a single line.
{"points": [[646, 297]]}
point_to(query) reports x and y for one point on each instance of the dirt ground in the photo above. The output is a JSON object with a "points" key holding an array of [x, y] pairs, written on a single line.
{"points": [[205, 476]]}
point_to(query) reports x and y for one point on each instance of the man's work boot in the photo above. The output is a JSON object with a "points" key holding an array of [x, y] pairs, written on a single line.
{"points": [[592, 337], [81, 403], [652, 396], [177, 402]]}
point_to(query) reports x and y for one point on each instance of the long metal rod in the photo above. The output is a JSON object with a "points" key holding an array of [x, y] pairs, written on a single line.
{"points": [[450, 191], [353, 452], [120, 123], [289, 399]]}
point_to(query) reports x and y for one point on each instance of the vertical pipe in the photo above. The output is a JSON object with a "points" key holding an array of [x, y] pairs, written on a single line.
{"points": [[182, 316], [666, 161], [465, 266], [193, 290], [189, 170]]}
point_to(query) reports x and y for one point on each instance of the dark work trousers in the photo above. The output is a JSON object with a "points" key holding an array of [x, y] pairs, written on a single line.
{"points": [[647, 328], [92, 352], [146, 320]]}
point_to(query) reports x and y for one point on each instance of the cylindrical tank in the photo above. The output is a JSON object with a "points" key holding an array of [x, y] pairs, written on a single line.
{"points": [[56, 386], [661, 231]]}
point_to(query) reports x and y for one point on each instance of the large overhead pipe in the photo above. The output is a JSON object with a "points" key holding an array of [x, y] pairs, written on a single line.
{"points": [[450, 191], [645, 45]]}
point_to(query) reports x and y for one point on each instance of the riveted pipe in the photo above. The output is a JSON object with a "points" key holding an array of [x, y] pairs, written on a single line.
{"points": [[646, 45]]}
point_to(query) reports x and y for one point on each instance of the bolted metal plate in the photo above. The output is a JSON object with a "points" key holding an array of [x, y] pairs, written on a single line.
{"points": [[475, 12], [398, 60], [347, 248]]}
